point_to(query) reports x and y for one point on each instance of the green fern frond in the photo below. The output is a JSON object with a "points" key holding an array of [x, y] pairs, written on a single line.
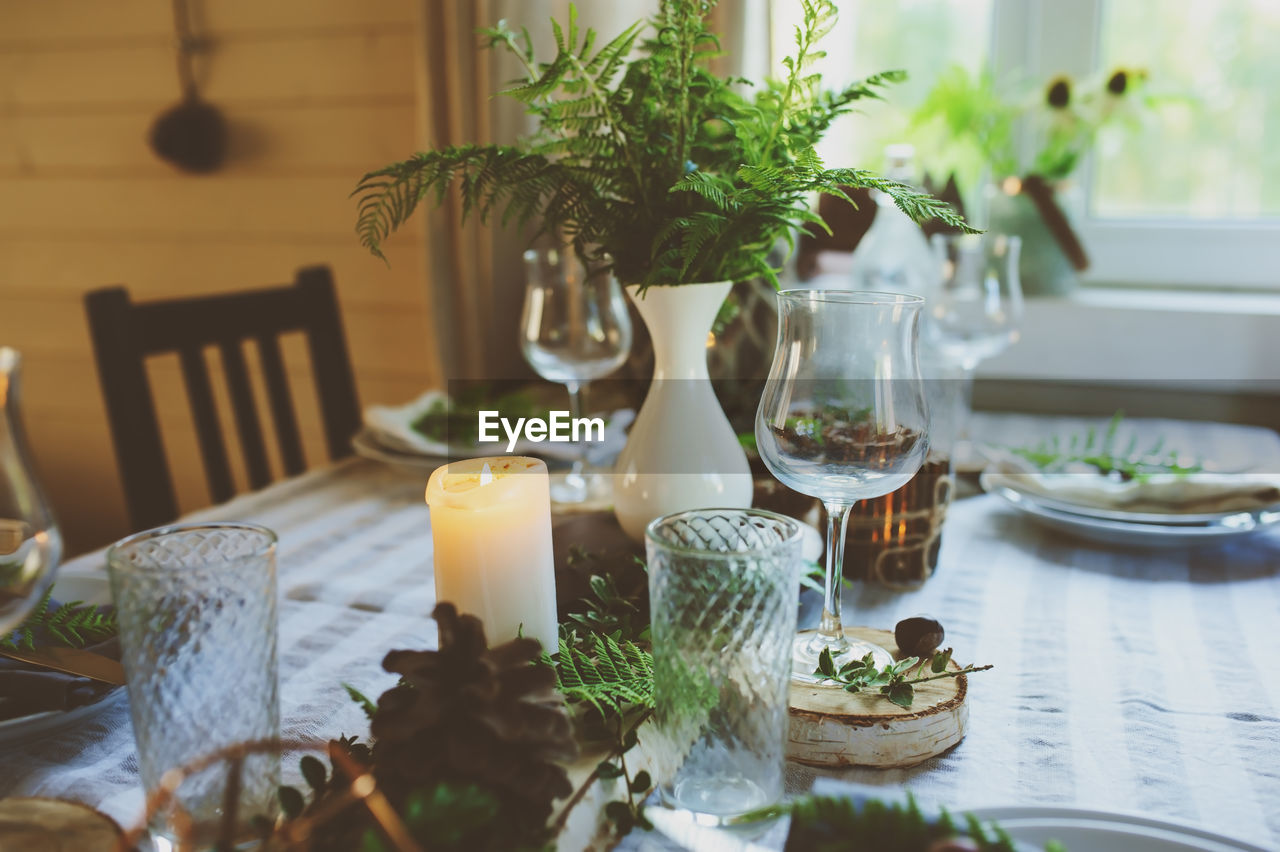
{"points": [[609, 676], [644, 154], [74, 624]]}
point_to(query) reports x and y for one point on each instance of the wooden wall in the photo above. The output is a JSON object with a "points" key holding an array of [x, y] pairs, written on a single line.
{"points": [[317, 92]]}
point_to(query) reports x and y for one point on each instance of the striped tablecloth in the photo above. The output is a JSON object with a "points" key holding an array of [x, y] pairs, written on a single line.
{"points": [[1143, 682]]}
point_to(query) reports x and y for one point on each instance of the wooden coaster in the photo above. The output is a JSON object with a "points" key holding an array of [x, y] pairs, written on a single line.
{"points": [[37, 825], [831, 727]]}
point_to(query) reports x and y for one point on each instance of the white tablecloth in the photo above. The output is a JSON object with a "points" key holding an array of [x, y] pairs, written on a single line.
{"points": [[1143, 682]]}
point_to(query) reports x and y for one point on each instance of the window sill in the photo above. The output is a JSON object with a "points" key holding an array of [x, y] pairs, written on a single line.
{"points": [[1118, 334]]}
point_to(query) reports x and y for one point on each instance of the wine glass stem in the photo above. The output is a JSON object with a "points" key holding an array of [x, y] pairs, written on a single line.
{"points": [[576, 392], [966, 402], [831, 627]]}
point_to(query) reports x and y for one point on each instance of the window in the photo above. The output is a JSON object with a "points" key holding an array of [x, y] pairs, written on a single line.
{"points": [[1191, 197], [1217, 130], [921, 37]]}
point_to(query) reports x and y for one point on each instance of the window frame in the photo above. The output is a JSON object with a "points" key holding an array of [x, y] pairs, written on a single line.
{"points": [[1044, 38]]}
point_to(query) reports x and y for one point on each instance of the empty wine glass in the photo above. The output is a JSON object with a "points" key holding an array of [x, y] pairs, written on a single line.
{"points": [[30, 544], [976, 310], [574, 328], [842, 418], [974, 314]]}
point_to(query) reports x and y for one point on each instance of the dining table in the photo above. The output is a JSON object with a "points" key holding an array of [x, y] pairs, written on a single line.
{"points": [[1144, 681]]}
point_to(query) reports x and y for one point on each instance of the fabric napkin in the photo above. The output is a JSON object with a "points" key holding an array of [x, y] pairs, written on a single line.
{"points": [[26, 689], [1194, 493]]}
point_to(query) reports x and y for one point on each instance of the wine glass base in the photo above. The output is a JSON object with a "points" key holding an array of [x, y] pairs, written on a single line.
{"points": [[577, 489], [808, 646]]}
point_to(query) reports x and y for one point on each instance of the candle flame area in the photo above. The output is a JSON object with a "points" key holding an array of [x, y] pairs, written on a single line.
{"points": [[472, 475]]}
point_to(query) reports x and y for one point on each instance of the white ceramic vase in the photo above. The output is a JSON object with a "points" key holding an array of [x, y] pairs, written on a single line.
{"points": [[682, 452]]}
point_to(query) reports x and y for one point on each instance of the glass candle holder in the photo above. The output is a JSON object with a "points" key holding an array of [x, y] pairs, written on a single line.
{"points": [[722, 586], [197, 610]]}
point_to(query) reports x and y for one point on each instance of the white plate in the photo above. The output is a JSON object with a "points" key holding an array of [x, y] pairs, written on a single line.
{"points": [[1151, 532], [1081, 830], [367, 445], [92, 589]]}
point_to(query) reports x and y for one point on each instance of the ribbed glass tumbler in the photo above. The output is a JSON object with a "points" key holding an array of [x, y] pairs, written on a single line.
{"points": [[723, 587], [197, 612]]}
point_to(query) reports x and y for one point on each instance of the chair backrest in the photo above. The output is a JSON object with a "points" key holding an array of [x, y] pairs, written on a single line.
{"points": [[125, 334]]}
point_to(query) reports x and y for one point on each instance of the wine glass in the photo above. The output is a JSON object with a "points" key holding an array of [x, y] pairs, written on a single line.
{"points": [[575, 327], [976, 310], [842, 418], [30, 544], [974, 314]]}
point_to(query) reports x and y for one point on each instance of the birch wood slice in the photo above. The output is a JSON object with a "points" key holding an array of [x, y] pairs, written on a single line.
{"points": [[831, 727], [54, 825]]}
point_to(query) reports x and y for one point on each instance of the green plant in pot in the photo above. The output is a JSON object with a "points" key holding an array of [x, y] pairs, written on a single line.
{"points": [[648, 161], [966, 126]]}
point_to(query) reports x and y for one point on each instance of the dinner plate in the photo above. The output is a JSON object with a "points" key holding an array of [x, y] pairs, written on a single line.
{"points": [[92, 589], [1146, 530], [1079, 830], [367, 445]]}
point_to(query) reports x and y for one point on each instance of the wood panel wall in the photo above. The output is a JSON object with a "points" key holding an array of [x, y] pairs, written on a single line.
{"points": [[316, 92]]}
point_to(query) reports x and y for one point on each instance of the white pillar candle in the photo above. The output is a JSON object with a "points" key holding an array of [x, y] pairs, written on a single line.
{"points": [[491, 526]]}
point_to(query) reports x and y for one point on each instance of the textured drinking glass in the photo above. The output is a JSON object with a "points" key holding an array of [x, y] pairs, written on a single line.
{"points": [[574, 328], [722, 587], [843, 418], [197, 611]]}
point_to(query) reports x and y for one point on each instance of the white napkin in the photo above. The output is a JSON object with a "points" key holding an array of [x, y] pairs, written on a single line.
{"points": [[1193, 493]]}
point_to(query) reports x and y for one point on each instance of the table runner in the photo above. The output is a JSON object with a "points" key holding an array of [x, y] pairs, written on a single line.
{"points": [[1134, 681]]}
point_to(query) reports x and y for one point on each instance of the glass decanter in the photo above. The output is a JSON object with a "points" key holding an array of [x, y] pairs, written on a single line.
{"points": [[30, 544]]}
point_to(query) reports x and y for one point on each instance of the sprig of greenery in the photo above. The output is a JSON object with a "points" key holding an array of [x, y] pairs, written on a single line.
{"points": [[650, 159], [627, 813], [606, 610], [895, 681], [605, 674], [830, 823], [1055, 455], [73, 624]]}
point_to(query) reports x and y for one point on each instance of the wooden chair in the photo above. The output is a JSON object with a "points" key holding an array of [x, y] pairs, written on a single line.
{"points": [[126, 333]]}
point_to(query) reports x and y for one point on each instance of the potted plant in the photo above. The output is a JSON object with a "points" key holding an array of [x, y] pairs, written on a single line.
{"points": [[647, 160], [966, 126]]}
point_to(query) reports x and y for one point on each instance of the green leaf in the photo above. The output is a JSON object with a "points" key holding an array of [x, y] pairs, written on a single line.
{"points": [[903, 664], [291, 802], [359, 698], [902, 694], [608, 770], [630, 740], [621, 815], [314, 773], [826, 665], [940, 660], [641, 783]]}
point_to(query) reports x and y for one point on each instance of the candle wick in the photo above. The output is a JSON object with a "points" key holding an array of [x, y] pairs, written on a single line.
{"points": [[486, 475]]}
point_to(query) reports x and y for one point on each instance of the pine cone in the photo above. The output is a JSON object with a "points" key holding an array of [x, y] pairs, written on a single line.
{"points": [[470, 713]]}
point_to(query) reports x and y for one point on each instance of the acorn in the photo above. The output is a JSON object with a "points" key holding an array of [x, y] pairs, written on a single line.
{"points": [[918, 636], [1059, 95]]}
